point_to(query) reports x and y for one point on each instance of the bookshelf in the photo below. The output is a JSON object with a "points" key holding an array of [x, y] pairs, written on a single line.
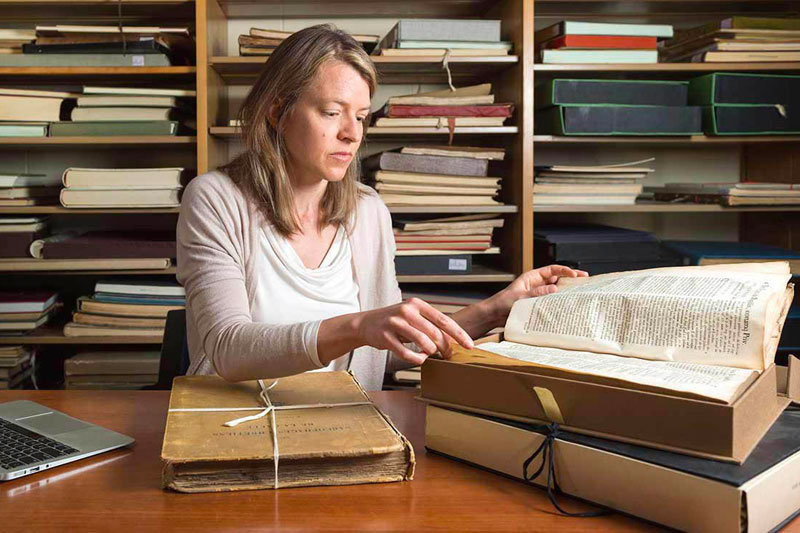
{"points": [[223, 78], [51, 155], [697, 158]]}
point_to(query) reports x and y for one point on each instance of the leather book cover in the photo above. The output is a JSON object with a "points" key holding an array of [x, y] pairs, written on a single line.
{"points": [[426, 164], [18, 244], [112, 244], [405, 111], [316, 445]]}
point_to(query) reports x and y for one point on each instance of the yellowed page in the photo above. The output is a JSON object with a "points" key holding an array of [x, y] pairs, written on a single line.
{"points": [[722, 315]]}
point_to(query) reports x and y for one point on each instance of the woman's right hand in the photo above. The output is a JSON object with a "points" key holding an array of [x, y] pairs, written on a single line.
{"points": [[413, 320]]}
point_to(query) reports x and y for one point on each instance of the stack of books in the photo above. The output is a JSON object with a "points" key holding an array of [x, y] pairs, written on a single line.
{"points": [[125, 308], [572, 42], [599, 249], [19, 189], [434, 175], [261, 42], [23, 311], [129, 111], [445, 109], [617, 184], [736, 39], [730, 194], [121, 187], [443, 245], [17, 234], [12, 39], [28, 112], [104, 46], [440, 37], [566, 401], [120, 370], [16, 366]]}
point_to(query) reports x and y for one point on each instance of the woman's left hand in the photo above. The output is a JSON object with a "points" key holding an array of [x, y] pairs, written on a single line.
{"points": [[536, 282]]}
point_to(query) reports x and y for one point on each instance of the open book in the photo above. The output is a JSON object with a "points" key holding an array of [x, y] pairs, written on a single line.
{"points": [[701, 332]]}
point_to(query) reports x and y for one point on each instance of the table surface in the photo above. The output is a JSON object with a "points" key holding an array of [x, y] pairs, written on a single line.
{"points": [[121, 489]]}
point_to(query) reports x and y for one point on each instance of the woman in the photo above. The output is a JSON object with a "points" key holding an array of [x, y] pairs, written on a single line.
{"points": [[287, 260]]}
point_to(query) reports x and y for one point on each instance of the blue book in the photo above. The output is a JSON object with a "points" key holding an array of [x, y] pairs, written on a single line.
{"points": [[720, 252], [131, 299]]}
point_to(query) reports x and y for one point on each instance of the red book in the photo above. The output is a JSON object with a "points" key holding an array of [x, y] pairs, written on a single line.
{"points": [[408, 111], [26, 301], [612, 42]]}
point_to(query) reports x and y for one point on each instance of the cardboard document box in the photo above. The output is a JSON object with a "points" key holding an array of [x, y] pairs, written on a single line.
{"points": [[685, 493], [601, 407]]}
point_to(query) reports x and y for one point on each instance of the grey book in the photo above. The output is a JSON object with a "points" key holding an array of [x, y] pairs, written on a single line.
{"points": [[84, 60], [102, 128], [426, 164], [453, 30]]}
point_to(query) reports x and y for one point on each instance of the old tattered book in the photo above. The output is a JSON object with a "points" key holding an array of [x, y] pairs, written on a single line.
{"points": [[317, 428]]}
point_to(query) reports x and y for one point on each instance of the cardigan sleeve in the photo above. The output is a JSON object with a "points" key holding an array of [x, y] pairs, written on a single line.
{"points": [[210, 256]]}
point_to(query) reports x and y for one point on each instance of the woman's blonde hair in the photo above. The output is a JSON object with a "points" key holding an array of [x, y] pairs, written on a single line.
{"points": [[260, 171]]}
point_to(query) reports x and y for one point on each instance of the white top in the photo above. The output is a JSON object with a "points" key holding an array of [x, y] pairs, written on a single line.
{"points": [[288, 292]]}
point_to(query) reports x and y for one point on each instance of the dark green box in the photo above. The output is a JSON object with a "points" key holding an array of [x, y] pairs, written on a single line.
{"points": [[751, 120], [619, 120], [611, 92]]}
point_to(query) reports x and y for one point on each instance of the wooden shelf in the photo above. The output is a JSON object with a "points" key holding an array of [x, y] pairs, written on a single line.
{"points": [[230, 132], [667, 67], [91, 142], [480, 273], [658, 207], [355, 8], [54, 334], [59, 210], [82, 75], [411, 70], [134, 12], [90, 272], [398, 209], [675, 140]]}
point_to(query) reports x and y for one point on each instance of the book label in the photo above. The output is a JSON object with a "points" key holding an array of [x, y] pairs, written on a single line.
{"points": [[457, 264]]}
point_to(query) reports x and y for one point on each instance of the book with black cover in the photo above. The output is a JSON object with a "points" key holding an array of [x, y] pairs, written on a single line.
{"points": [[112, 244], [433, 265], [619, 92], [592, 243], [620, 120], [604, 267], [752, 119], [716, 252], [426, 164]]}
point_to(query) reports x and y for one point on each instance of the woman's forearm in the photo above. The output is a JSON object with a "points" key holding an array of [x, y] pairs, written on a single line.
{"points": [[338, 336], [478, 318]]}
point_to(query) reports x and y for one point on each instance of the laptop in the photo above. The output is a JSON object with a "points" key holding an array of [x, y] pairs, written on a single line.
{"points": [[34, 438]]}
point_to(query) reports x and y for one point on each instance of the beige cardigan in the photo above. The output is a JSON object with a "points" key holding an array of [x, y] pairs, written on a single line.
{"points": [[218, 260]]}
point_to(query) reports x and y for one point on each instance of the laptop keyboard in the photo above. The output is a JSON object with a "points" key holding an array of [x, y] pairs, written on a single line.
{"points": [[21, 447]]}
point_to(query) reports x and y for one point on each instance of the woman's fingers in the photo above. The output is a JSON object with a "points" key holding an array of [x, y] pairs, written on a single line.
{"points": [[436, 335], [445, 324], [407, 331], [408, 355]]}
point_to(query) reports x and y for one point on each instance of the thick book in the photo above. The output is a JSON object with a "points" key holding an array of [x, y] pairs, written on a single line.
{"points": [[90, 319], [599, 56], [31, 108], [720, 252], [88, 198], [569, 27], [17, 244], [593, 242], [678, 491], [470, 222], [113, 363], [124, 114], [345, 438], [500, 46], [604, 42], [672, 344], [426, 164], [43, 265], [112, 244], [474, 152], [73, 329], [90, 305], [127, 178], [433, 265], [620, 120], [84, 60], [619, 92], [730, 88], [23, 129], [128, 101], [410, 111], [412, 178], [105, 128], [479, 92], [450, 31]]}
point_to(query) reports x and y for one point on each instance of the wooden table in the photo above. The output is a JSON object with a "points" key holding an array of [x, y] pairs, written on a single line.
{"points": [[121, 491]]}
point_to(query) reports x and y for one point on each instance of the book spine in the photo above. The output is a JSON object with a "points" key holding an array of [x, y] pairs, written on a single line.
{"points": [[107, 249], [452, 166], [433, 264], [602, 42], [486, 31], [403, 111]]}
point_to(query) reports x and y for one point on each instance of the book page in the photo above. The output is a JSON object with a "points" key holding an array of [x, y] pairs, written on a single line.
{"points": [[716, 316], [714, 382]]}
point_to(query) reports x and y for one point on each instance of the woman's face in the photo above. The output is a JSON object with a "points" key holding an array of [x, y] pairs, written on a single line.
{"points": [[324, 130]]}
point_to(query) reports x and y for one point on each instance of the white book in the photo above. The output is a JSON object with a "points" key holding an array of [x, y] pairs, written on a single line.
{"points": [[439, 122], [143, 91], [571, 27], [599, 56], [120, 198], [149, 288], [113, 114]]}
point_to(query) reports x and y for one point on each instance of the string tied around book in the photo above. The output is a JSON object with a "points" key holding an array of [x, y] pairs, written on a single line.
{"points": [[446, 66], [545, 450], [781, 110], [266, 408], [121, 30]]}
